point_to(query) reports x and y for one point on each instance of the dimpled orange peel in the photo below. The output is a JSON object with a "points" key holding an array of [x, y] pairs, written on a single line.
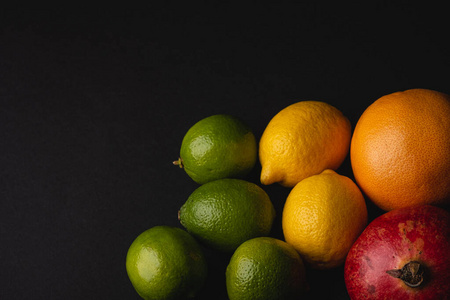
{"points": [[400, 149]]}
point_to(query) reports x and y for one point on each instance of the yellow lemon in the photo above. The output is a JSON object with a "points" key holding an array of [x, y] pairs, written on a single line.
{"points": [[303, 139], [322, 217]]}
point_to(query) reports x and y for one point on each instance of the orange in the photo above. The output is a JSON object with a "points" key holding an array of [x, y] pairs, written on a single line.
{"points": [[400, 149], [301, 140], [323, 216]]}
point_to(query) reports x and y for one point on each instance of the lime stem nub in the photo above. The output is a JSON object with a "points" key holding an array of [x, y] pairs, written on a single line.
{"points": [[178, 162]]}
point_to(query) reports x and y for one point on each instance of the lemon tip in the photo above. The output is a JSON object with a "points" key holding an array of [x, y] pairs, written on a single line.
{"points": [[268, 176]]}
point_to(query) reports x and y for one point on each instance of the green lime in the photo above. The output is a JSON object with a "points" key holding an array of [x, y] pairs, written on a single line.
{"points": [[166, 263], [219, 146], [265, 268], [226, 212]]}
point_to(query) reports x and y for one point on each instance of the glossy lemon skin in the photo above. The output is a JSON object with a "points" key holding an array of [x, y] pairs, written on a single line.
{"points": [[302, 140], [322, 217]]}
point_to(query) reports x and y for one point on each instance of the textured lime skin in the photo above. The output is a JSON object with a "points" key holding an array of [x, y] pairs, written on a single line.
{"points": [[265, 268], [219, 146], [166, 263], [226, 212]]}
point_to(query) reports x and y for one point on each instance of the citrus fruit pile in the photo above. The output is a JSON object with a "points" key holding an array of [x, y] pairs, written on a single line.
{"points": [[399, 152]]}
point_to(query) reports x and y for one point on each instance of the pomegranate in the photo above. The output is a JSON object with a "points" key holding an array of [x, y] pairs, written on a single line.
{"points": [[402, 254]]}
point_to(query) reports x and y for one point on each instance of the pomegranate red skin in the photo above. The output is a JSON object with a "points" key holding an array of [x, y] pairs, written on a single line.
{"points": [[392, 240]]}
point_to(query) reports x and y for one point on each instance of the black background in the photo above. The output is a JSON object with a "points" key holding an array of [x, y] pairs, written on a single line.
{"points": [[94, 104]]}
